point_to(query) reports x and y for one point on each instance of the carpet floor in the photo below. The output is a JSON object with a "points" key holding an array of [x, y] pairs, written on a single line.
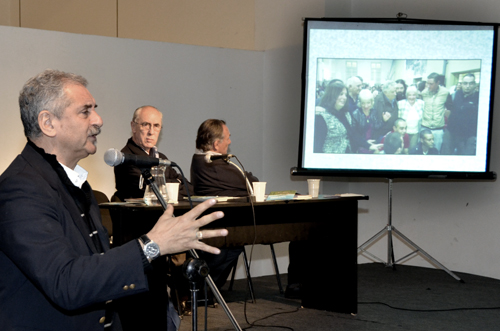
{"points": [[407, 298]]}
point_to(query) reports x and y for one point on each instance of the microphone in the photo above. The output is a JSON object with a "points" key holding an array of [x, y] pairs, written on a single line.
{"points": [[114, 157], [210, 157]]}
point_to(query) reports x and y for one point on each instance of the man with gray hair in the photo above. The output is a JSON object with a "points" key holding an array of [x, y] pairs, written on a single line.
{"points": [[146, 127], [386, 107], [58, 272], [353, 88]]}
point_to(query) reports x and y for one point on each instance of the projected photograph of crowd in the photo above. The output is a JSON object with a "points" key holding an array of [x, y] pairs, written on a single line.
{"points": [[426, 107]]}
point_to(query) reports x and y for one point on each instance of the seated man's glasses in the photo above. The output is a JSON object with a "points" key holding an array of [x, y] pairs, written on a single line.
{"points": [[145, 126]]}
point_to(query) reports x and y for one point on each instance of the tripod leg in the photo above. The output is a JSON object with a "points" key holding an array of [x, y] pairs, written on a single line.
{"points": [[390, 248], [424, 253], [367, 243], [362, 248]]}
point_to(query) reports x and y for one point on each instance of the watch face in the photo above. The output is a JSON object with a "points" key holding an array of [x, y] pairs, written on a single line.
{"points": [[152, 250]]}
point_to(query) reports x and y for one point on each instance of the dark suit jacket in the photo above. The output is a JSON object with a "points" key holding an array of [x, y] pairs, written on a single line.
{"points": [[382, 105], [52, 277], [127, 176], [218, 178]]}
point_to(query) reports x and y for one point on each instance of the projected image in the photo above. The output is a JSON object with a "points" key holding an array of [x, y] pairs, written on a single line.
{"points": [[384, 106]]}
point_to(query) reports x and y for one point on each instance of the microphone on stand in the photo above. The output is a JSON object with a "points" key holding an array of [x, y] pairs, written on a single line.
{"points": [[114, 157], [225, 157]]}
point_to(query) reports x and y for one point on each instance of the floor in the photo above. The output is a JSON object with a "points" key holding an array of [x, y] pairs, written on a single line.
{"points": [[407, 298]]}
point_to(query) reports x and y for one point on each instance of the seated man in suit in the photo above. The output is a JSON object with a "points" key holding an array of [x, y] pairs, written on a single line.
{"points": [[58, 272], [217, 178], [146, 126]]}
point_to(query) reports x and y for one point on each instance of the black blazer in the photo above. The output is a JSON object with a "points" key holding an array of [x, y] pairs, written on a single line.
{"points": [[218, 178], [52, 277], [127, 176]]}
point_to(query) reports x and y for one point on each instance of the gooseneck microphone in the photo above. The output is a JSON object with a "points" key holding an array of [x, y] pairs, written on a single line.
{"points": [[225, 157], [114, 157]]}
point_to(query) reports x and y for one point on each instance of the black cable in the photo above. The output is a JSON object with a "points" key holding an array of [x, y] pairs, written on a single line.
{"points": [[185, 185], [249, 195], [249, 260], [272, 326], [250, 263]]}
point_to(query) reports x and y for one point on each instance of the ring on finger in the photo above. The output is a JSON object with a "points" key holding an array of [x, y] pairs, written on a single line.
{"points": [[199, 235]]}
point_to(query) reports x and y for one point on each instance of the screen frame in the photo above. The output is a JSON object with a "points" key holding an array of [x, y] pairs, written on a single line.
{"points": [[302, 171]]}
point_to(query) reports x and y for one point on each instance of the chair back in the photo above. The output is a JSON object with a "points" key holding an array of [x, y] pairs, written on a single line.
{"points": [[105, 216]]}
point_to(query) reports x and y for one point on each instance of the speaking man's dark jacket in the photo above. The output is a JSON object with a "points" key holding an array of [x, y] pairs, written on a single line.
{"points": [[52, 272]]}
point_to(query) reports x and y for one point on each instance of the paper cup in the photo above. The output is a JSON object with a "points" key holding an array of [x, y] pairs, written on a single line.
{"points": [[173, 192], [259, 190], [313, 185]]}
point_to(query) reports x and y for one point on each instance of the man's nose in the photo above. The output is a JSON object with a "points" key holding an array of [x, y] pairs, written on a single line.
{"points": [[96, 119]]}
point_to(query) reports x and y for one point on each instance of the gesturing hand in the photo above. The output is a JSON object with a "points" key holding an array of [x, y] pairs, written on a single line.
{"points": [[179, 234]]}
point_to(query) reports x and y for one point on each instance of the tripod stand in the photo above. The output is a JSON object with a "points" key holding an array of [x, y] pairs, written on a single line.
{"points": [[390, 229], [149, 179], [195, 270]]}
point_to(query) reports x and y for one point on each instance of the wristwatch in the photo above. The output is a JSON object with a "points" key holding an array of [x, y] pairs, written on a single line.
{"points": [[151, 249]]}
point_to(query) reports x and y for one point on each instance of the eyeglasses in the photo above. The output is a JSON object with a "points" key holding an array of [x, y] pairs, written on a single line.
{"points": [[468, 84], [145, 126]]}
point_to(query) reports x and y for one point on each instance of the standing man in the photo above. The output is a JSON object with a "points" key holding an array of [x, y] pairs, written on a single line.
{"points": [[353, 87], [386, 107], [58, 272], [437, 101], [462, 123], [146, 126]]}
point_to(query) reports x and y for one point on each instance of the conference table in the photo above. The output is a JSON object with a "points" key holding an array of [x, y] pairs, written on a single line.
{"points": [[327, 224]]}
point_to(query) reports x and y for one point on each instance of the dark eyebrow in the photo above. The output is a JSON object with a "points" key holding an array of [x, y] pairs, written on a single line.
{"points": [[89, 105]]}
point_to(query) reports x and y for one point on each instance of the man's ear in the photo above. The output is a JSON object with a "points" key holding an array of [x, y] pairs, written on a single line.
{"points": [[45, 122], [215, 146], [132, 126]]}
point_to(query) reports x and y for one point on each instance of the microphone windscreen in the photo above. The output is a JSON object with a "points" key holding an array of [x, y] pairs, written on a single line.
{"points": [[113, 157]]}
